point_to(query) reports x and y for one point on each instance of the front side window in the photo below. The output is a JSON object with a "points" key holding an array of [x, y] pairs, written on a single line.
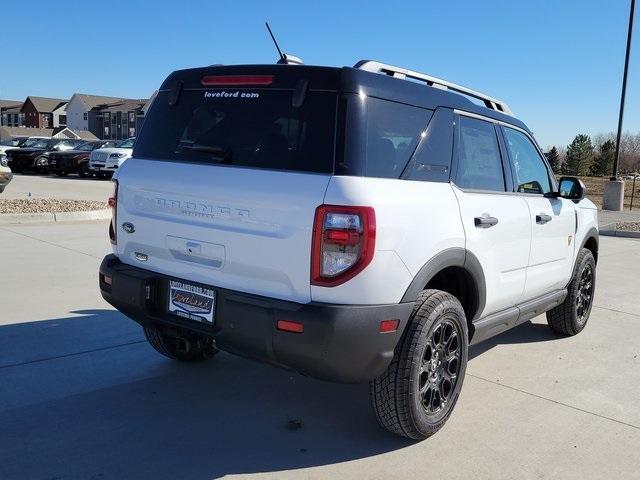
{"points": [[529, 169], [479, 162], [393, 131]]}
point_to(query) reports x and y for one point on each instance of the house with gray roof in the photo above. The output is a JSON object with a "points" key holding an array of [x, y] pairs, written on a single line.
{"points": [[117, 120], [79, 106], [10, 113], [43, 112]]}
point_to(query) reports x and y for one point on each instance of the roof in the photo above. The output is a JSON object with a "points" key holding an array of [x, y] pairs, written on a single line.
{"points": [[45, 104], [85, 135], [61, 132], [10, 103], [124, 106], [15, 109], [94, 100]]}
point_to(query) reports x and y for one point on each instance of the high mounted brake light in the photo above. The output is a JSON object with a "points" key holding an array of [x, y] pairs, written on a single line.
{"points": [[113, 204], [237, 80], [343, 243]]}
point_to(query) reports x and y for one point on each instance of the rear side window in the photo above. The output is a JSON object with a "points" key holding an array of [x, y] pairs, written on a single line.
{"points": [[479, 162], [530, 170], [392, 134], [250, 128]]}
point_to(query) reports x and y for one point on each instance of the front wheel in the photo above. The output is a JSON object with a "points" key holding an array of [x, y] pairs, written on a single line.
{"points": [[416, 395], [84, 170], [571, 316], [186, 348]]}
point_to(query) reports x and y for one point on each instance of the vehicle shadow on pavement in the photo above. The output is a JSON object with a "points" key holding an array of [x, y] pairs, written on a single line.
{"points": [[526, 333], [86, 397]]}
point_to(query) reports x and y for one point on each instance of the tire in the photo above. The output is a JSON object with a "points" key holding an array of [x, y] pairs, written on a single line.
{"points": [[571, 316], [84, 171], [197, 348], [41, 165], [398, 395]]}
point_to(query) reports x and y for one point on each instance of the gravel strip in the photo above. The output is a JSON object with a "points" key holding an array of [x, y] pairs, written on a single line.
{"points": [[49, 205], [628, 226]]}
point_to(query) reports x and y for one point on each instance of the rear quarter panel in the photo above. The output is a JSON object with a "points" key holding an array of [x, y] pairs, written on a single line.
{"points": [[414, 221]]}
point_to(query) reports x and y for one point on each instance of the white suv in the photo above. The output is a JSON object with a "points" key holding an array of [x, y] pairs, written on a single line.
{"points": [[105, 161], [346, 223]]}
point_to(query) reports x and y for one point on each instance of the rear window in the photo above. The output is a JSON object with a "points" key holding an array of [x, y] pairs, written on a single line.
{"points": [[243, 127], [393, 132]]}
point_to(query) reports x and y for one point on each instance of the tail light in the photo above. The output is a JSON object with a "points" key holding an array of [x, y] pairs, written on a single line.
{"points": [[113, 204], [236, 80], [343, 243]]}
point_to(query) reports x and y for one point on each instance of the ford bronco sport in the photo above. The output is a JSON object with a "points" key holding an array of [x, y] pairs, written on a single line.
{"points": [[361, 224]]}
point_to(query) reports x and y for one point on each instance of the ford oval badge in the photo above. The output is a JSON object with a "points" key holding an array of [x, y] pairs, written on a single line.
{"points": [[128, 227]]}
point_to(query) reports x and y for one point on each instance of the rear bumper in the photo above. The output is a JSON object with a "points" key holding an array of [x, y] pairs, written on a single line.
{"points": [[340, 343]]}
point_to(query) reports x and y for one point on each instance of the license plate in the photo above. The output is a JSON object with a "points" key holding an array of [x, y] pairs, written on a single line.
{"points": [[191, 301]]}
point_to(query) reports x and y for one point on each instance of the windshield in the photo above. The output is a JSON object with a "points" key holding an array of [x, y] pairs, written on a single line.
{"points": [[65, 145], [128, 143], [13, 142], [86, 147], [37, 143], [259, 128]]}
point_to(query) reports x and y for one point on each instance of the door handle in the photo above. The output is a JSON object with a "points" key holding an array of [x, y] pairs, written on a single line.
{"points": [[485, 221], [543, 218]]}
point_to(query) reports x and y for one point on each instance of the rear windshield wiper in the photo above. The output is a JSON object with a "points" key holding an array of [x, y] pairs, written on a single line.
{"points": [[218, 154]]}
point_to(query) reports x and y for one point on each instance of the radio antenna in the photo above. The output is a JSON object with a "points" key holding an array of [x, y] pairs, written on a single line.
{"points": [[282, 57]]}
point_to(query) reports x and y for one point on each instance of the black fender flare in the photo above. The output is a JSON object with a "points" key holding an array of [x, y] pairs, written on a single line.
{"points": [[451, 257], [591, 233]]}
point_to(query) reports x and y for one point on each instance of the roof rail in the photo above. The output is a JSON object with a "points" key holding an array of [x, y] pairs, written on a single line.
{"points": [[403, 73]]}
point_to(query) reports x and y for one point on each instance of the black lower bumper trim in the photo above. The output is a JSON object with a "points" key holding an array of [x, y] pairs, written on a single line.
{"points": [[340, 343]]}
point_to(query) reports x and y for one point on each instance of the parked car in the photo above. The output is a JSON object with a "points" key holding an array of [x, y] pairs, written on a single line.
{"points": [[105, 161], [34, 157], [345, 223], [14, 142], [76, 160], [5, 174]]}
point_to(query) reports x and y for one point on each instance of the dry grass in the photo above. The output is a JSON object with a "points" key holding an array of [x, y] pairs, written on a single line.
{"points": [[595, 189]]}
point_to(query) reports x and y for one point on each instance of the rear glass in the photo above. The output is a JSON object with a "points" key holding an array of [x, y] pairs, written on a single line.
{"points": [[243, 127]]}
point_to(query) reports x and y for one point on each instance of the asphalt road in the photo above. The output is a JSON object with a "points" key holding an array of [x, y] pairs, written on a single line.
{"points": [[82, 396]]}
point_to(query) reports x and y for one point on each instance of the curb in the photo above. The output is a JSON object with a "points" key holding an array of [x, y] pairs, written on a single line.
{"points": [[620, 233], [17, 218]]}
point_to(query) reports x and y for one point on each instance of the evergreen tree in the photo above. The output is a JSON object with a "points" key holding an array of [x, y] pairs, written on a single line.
{"points": [[579, 156], [603, 164], [554, 159]]}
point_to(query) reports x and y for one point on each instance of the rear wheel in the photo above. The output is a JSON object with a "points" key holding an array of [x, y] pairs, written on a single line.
{"points": [[418, 392], [187, 348], [571, 316]]}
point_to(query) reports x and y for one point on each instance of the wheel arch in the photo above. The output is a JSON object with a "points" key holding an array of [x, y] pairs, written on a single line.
{"points": [[458, 272], [591, 242]]}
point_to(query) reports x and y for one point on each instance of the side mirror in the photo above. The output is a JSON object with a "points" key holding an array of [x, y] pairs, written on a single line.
{"points": [[572, 188]]}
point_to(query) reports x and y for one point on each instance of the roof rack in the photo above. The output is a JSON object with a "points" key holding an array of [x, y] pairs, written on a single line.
{"points": [[403, 73]]}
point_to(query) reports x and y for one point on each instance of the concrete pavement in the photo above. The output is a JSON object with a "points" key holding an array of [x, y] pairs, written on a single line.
{"points": [[83, 396], [51, 186]]}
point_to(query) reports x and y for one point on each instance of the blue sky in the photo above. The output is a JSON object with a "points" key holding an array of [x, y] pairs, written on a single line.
{"points": [[558, 64]]}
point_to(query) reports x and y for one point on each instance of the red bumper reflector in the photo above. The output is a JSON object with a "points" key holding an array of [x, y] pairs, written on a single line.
{"points": [[289, 326], [222, 80], [387, 326]]}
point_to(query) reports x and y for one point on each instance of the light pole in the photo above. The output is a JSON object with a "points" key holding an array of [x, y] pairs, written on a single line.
{"points": [[613, 198]]}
